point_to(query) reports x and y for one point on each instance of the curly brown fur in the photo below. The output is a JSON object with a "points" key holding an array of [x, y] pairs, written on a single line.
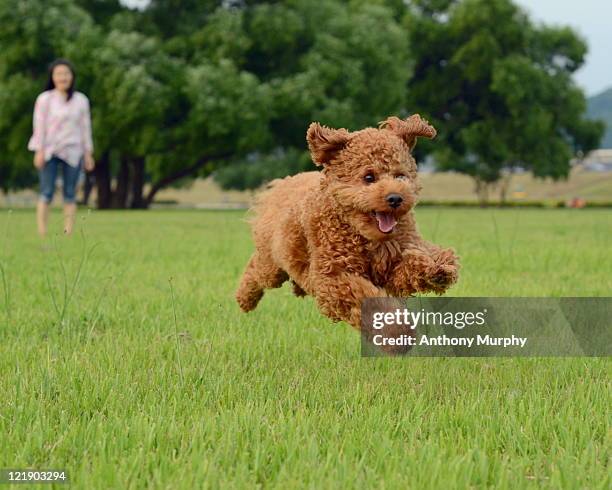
{"points": [[340, 237]]}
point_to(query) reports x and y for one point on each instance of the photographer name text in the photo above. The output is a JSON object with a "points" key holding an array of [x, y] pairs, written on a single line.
{"points": [[456, 320], [444, 340]]}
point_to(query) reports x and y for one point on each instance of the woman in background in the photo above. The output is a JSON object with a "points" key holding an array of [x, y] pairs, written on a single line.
{"points": [[61, 138]]}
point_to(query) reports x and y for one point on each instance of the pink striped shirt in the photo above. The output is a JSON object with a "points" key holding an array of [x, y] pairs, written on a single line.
{"points": [[62, 128]]}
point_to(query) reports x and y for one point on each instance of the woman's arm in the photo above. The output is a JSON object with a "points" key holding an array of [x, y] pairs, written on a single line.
{"points": [[37, 141], [87, 137]]}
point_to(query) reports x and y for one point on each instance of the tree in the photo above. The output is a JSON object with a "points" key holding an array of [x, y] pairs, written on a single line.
{"points": [[167, 111], [227, 117], [130, 95], [101, 11], [499, 89], [345, 66]]}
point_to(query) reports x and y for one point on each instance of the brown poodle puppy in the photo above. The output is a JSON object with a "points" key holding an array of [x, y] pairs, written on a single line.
{"points": [[348, 232]]}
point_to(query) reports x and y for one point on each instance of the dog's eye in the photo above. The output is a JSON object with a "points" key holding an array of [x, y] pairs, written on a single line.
{"points": [[369, 178], [401, 177]]}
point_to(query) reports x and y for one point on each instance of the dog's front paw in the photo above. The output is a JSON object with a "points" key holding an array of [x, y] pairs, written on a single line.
{"points": [[444, 271], [394, 337], [423, 271]]}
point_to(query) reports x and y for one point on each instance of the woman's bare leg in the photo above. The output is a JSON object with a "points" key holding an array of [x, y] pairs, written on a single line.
{"points": [[42, 217], [69, 217]]}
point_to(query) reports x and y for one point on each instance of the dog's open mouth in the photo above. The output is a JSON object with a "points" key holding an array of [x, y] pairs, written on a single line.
{"points": [[386, 221]]}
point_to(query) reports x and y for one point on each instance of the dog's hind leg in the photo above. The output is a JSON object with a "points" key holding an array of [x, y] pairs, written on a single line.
{"points": [[261, 273]]}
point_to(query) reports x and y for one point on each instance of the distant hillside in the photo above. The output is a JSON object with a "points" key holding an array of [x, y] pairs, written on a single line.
{"points": [[600, 107]]}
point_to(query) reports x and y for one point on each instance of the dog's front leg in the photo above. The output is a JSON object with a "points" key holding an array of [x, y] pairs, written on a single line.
{"points": [[424, 268], [339, 296], [342, 298]]}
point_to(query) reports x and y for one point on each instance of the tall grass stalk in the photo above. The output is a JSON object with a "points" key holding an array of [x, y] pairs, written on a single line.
{"points": [[176, 335], [68, 287], [6, 287]]}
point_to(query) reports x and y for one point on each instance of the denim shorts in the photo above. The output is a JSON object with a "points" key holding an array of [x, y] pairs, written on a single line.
{"points": [[48, 175]]}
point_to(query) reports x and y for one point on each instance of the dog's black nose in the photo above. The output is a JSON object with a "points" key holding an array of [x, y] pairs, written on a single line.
{"points": [[394, 200]]}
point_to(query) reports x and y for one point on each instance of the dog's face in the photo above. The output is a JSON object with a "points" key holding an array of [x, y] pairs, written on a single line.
{"points": [[371, 173]]}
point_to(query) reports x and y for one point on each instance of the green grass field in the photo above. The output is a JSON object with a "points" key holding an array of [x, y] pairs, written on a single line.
{"points": [[99, 378]]}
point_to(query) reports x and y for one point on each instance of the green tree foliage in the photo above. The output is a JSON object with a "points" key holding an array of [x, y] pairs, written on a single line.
{"points": [[101, 11], [132, 96], [251, 172], [499, 89], [342, 66]]}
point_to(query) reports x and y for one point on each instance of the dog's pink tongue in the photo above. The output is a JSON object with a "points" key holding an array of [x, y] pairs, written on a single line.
{"points": [[386, 221]]}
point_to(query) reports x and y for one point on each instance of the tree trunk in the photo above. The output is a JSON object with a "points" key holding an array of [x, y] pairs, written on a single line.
{"points": [[103, 181], [138, 179], [482, 191], [179, 174], [120, 196], [504, 186], [88, 187]]}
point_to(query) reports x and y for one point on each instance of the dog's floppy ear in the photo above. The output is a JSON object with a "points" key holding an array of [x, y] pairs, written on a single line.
{"points": [[324, 143], [409, 129]]}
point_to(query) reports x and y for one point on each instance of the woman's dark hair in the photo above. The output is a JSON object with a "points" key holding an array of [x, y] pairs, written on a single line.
{"points": [[58, 62]]}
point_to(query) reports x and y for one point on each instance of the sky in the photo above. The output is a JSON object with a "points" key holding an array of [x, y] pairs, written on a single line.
{"points": [[592, 19]]}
